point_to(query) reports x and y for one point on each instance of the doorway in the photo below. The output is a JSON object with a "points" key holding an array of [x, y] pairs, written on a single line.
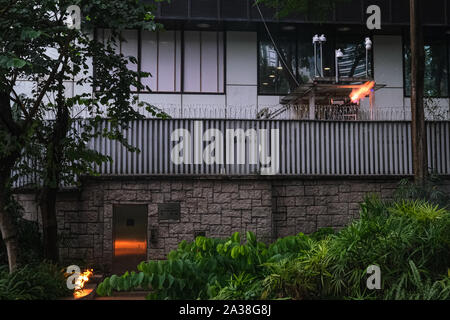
{"points": [[129, 237]]}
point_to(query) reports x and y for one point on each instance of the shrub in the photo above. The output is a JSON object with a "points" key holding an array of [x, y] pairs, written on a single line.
{"points": [[43, 281], [408, 239], [391, 236]]}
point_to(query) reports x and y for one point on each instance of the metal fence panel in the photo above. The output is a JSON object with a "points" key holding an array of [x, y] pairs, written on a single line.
{"points": [[344, 148]]}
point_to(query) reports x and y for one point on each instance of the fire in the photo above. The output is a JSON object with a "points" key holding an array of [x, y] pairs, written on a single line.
{"points": [[362, 91], [80, 283]]}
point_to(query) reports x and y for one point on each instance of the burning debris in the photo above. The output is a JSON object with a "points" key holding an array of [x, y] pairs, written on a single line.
{"points": [[80, 282], [362, 92], [77, 281]]}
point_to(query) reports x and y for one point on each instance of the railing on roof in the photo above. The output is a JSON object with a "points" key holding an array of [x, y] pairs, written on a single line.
{"points": [[296, 112]]}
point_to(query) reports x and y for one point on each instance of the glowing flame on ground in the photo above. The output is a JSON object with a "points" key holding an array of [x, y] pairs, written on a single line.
{"points": [[362, 91], [80, 283]]}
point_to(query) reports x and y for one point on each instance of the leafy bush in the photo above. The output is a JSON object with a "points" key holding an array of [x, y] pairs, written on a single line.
{"points": [[299, 277], [202, 269], [429, 192], [408, 239], [390, 236], [44, 281], [243, 286]]}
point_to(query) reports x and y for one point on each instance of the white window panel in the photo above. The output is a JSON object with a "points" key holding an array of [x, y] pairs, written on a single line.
{"points": [[129, 46], [192, 61], [149, 59], [167, 61], [221, 63], [209, 60], [203, 62], [161, 56]]}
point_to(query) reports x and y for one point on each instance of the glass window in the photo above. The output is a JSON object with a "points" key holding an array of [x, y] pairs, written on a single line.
{"points": [[203, 62], [353, 63], [273, 76], [436, 69], [298, 52], [161, 57]]}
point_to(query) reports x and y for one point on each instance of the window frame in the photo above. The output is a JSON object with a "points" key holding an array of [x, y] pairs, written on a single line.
{"points": [[332, 37], [182, 63]]}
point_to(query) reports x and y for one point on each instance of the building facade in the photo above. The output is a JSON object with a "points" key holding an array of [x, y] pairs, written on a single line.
{"points": [[215, 67]]}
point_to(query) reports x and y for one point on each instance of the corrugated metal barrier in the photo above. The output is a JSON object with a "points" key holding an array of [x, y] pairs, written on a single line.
{"points": [[347, 148]]}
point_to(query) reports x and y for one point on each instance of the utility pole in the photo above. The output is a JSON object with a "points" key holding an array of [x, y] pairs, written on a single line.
{"points": [[418, 132]]}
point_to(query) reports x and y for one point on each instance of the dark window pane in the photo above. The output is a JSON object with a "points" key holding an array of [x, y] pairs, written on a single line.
{"points": [[434, 12], [176, 8], [349, 11], [400, 11], [436, 69], [234, 9], [305, 59], [204, 8], [273, 76], [267, 12]]}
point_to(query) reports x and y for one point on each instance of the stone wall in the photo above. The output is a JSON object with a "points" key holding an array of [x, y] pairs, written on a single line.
{"points": [[217, 207]]}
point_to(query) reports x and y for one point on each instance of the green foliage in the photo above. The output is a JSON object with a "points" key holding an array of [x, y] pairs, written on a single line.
{"points": [[243, 286], [33, 282], [37, 46], [301, 277], [408, 239], [196, 269], [412, 286], [390, 236], [429, 192], [315, 10]]}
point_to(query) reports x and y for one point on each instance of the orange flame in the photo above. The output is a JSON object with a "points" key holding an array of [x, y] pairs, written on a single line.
{"points": [[80, 283], [362, 91]]}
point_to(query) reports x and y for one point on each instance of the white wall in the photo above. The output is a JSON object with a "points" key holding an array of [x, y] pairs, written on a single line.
{"points": [[388, 67]]}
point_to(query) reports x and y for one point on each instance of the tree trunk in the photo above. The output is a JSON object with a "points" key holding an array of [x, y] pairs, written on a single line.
{"points": [[8, 227], [47, 205], [418, 132], [9, 156], [49, 191]]}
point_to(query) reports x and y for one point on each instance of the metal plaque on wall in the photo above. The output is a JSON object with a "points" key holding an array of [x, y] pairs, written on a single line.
{"points": [[169, 211]]}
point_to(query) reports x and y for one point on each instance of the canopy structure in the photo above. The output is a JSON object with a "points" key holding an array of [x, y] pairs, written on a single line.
{"points": [[323, 91]]}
